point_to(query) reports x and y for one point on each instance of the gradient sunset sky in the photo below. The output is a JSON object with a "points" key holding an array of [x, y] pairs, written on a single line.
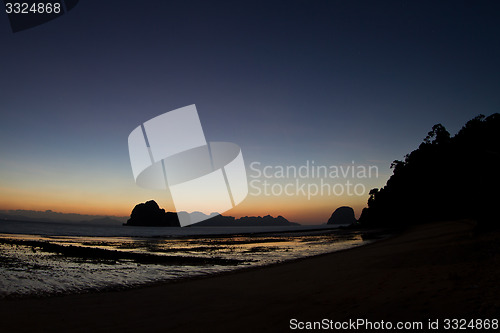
{"points": [[288, 81]]}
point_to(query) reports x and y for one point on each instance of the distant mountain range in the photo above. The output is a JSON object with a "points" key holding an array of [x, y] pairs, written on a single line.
{"points": [[56, 217], [246, 221], [150, 214]]}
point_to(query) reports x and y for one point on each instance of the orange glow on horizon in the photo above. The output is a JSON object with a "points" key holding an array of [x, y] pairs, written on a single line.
{"points": [[295, 209]]}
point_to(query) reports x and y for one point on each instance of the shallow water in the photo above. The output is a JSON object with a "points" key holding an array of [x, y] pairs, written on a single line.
{"points": [[42, 264]]}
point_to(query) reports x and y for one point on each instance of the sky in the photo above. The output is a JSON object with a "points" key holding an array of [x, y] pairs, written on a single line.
{"points": [[293, 83]]}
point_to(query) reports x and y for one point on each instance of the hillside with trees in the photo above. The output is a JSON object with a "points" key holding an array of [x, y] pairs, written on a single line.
{"points": [[445, 178]]}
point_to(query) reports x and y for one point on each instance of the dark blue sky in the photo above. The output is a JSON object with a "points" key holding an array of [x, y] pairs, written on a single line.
{"points": [[289, 81]]}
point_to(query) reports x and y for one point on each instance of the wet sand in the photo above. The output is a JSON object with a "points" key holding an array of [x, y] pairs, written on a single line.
{"points": [[432, 271]]}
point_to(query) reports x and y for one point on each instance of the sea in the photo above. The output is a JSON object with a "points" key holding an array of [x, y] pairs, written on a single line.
{"points": [[49, 258]]}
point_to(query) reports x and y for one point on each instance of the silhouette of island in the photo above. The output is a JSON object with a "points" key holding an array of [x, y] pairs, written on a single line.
{"points": [[445, 178], [246, 221], [150, 214], [342, 215]]}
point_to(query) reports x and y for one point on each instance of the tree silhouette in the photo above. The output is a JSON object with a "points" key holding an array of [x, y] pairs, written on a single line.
{"points": [[445, 178]]}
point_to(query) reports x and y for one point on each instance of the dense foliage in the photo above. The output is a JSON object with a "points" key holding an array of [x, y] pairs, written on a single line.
{"points": [[445, 178]]}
